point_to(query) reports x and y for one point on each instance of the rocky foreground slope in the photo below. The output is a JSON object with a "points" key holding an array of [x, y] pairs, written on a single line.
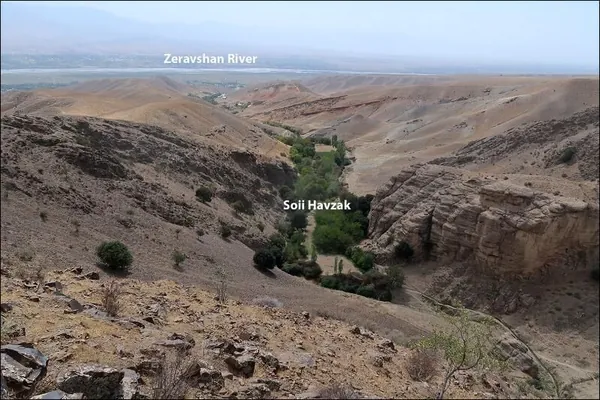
{"points": [[504, 228]]}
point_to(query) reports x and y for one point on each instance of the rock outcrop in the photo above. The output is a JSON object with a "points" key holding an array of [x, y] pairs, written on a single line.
{"points": [[503, 228]]}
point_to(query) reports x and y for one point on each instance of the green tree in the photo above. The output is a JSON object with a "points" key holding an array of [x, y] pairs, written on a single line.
{"points": [[313, 253], [466, 344], [264, 258], [204, 194], [298, 219], [114, 254]]}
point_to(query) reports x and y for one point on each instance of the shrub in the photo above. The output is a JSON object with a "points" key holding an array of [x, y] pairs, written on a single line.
{"points": [[286, 193], [178, 257], [114, 254], [225, 231], [404, 251], [204, 194], [238, 206], [421, 365], [362, 260], [111, 295], [337, 391], [293, 269], [44, 216], [567, 154], [396, 275], [264, 258], [172, 379], [260, 226], [367, 291], [277, 240], [298, 219], [311, 270]]}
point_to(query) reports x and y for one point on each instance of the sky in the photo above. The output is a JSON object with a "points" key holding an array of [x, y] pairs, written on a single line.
{"points": [[548, 32]]}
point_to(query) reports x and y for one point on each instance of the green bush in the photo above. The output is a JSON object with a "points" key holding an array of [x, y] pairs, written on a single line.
{"points": [[293, 269], [311, 270], [204, 194], [286, 193], [298, 219], [225, 231], [362, 260], [264, 258], [240, 207], [114, 254], [178, 257], [367, 291], [404, 251], [396, 275], [567, 154]]}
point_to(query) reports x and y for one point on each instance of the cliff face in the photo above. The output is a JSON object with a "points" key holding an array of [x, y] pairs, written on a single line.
{"points": [[502, 227]]}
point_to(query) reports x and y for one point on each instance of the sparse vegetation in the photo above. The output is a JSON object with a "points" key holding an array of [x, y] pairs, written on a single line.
{"points": [[172, 380], [111, 298], [567, 155], [225, 231], [114, 255], [396, 275], [221, 285], [178, 258], [465, 346], [421, 364], [204, 194], [337, 391]]}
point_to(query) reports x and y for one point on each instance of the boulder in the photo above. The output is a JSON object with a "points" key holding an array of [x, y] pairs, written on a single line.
{"points": [[242, 365], [512, 350], [22, 368], [94, 381]]}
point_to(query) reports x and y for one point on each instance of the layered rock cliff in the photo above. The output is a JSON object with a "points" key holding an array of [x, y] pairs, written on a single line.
{"points": [[502, 227]]}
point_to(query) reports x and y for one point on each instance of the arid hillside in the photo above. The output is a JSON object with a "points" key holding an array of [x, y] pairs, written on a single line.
{"points": [[267, 96], [393, 124], [155, 101]]}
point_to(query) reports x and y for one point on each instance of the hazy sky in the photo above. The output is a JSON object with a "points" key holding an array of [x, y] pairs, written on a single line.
{"points": [[526, 32]]}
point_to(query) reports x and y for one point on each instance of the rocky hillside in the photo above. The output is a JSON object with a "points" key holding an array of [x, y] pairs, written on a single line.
{"points": [[505, 228], [57, 337], [538, 148], [116, 169]]}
